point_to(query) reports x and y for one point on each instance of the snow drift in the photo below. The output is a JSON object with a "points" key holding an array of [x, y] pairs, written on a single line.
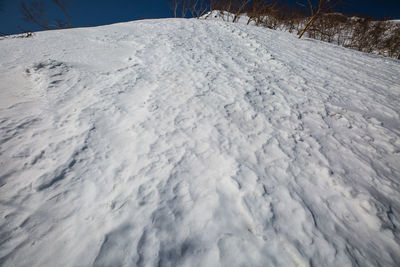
{"points": [[196, 143]]}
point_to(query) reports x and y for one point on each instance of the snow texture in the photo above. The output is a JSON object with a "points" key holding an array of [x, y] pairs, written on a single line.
{"points": [[196, 143]]}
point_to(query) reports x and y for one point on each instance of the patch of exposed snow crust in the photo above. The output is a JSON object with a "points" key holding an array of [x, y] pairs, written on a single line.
{"points": [[196, 143]]}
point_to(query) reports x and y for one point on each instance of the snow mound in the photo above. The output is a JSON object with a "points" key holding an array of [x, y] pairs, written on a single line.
{"points": [[196, 143]]}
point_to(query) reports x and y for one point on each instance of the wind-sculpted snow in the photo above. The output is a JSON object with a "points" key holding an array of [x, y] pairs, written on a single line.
{"points": [[196, 143]]}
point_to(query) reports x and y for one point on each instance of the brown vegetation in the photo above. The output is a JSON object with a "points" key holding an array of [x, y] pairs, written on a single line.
{"points": [[314, 19]]}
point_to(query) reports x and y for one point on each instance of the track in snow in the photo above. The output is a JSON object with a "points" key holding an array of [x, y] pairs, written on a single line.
{"points": [[186, 142]]}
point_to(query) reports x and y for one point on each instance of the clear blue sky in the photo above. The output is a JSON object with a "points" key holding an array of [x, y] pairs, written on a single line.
{"points": [[100, 12]]}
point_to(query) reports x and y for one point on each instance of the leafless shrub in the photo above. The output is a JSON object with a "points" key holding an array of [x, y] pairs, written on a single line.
{"points": [[392, 41], [256, 11], [360, 33], [293, 18], [321, 23], [328, 28], [263, 13]]}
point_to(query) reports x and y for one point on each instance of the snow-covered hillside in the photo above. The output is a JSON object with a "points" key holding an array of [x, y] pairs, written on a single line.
{"points": [[196, 143]]}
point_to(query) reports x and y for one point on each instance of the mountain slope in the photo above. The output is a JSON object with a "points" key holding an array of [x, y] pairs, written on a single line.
{"points": [[196, 143]]}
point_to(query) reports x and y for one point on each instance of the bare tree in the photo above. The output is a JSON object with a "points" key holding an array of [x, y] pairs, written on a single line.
{"points": [[316, 11], [212, 6], [182, 7], [259, 10], [62, 4], [35, 13], [224, 8], [174, 6], [241, 5], [254, 11], [185, 6], [198, 8]]}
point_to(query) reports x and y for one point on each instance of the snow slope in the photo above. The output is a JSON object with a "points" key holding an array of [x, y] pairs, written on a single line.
{"points": [[196, 143]]}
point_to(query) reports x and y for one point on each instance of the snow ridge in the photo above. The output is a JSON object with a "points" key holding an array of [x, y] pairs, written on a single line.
{"points": [[189, 142]]}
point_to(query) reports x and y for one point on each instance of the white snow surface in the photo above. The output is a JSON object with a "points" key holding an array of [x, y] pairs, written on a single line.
{"points": [[182, 142]]}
